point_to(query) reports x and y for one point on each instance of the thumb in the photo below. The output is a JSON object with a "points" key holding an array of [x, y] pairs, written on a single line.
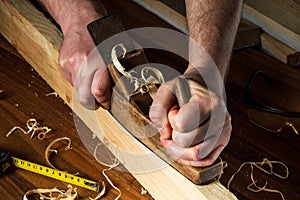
{"points": [[101, 86], [162, 104]]}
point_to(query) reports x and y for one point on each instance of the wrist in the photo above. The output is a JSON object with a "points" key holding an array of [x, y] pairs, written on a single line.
{"points": [[78, 21], [74, 14], [207, 76]]}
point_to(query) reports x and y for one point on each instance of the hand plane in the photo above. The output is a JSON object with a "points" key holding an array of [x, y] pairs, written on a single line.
{"points": [[125, 95]]}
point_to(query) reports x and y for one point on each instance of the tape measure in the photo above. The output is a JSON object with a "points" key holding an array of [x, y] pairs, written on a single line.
{"points": [[6, 161]]}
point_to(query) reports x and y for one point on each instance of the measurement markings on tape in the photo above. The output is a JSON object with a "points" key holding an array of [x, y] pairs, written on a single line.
{"points": [[56, 174]]}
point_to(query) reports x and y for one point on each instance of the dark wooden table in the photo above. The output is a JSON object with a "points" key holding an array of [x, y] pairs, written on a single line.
{"points": [[24, 97]]}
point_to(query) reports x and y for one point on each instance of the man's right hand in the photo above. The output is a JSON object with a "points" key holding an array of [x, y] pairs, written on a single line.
{"points": [[84, 68], [196, 133], [81, 65]]}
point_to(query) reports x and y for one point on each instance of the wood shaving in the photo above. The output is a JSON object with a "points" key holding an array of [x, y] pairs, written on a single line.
{"points": [[150, 75], [253, 186], [48, 150], [143, 191], [54, 194], [115, 163], [52, 93], [33, 128], [225, 164]]}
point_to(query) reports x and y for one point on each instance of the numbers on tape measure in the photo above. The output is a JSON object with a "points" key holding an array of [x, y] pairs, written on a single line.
{"points": [[56, 174]]}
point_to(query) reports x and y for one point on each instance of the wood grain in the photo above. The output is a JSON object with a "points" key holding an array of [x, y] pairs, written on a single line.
{"points": [[23, 30], [24, 96], [251, 143], [248, 142], [279, 18]]}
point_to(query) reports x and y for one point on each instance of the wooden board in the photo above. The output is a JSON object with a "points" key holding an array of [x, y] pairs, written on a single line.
{"points": [[173, 13], [38, 41], [26, 95], [279, 18], [279, 50]]}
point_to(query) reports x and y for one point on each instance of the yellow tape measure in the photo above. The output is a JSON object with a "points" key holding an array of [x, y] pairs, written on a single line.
{"points": [[56, 174]]}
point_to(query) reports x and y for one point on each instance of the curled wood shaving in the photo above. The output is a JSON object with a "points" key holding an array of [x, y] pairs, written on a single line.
{"points": [[225, 164], [54, 194], [33, 128], [150, 75], [116, 61], [115, 163], [49, 150], [253, 186], [98, 160]]}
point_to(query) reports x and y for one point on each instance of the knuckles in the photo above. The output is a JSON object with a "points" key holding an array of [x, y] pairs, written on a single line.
{"points": [[195, 154], [156, 114], [181, 141]]}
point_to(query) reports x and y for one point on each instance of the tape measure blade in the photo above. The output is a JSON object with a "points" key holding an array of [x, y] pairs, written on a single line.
{"points": [[55, 174]]}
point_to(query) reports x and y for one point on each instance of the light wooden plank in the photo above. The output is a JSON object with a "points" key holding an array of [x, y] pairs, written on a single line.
{"points": [[279, 18], [38, 41], [279, 50]]}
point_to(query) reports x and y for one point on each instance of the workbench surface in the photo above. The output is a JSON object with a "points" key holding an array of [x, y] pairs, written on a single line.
{"points": [[24, 96]]}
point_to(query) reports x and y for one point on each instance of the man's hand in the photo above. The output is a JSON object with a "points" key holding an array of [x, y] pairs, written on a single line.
{"points": [[75, 57], [85, 71], [196, 133]]}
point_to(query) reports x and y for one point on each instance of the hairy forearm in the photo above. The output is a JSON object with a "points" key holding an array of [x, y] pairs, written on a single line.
{"points": [[74, 13], [213, 25]]}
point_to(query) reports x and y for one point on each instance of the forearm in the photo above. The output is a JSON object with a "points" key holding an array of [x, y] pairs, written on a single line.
{"points": [[213, 25], [74, 14]]}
